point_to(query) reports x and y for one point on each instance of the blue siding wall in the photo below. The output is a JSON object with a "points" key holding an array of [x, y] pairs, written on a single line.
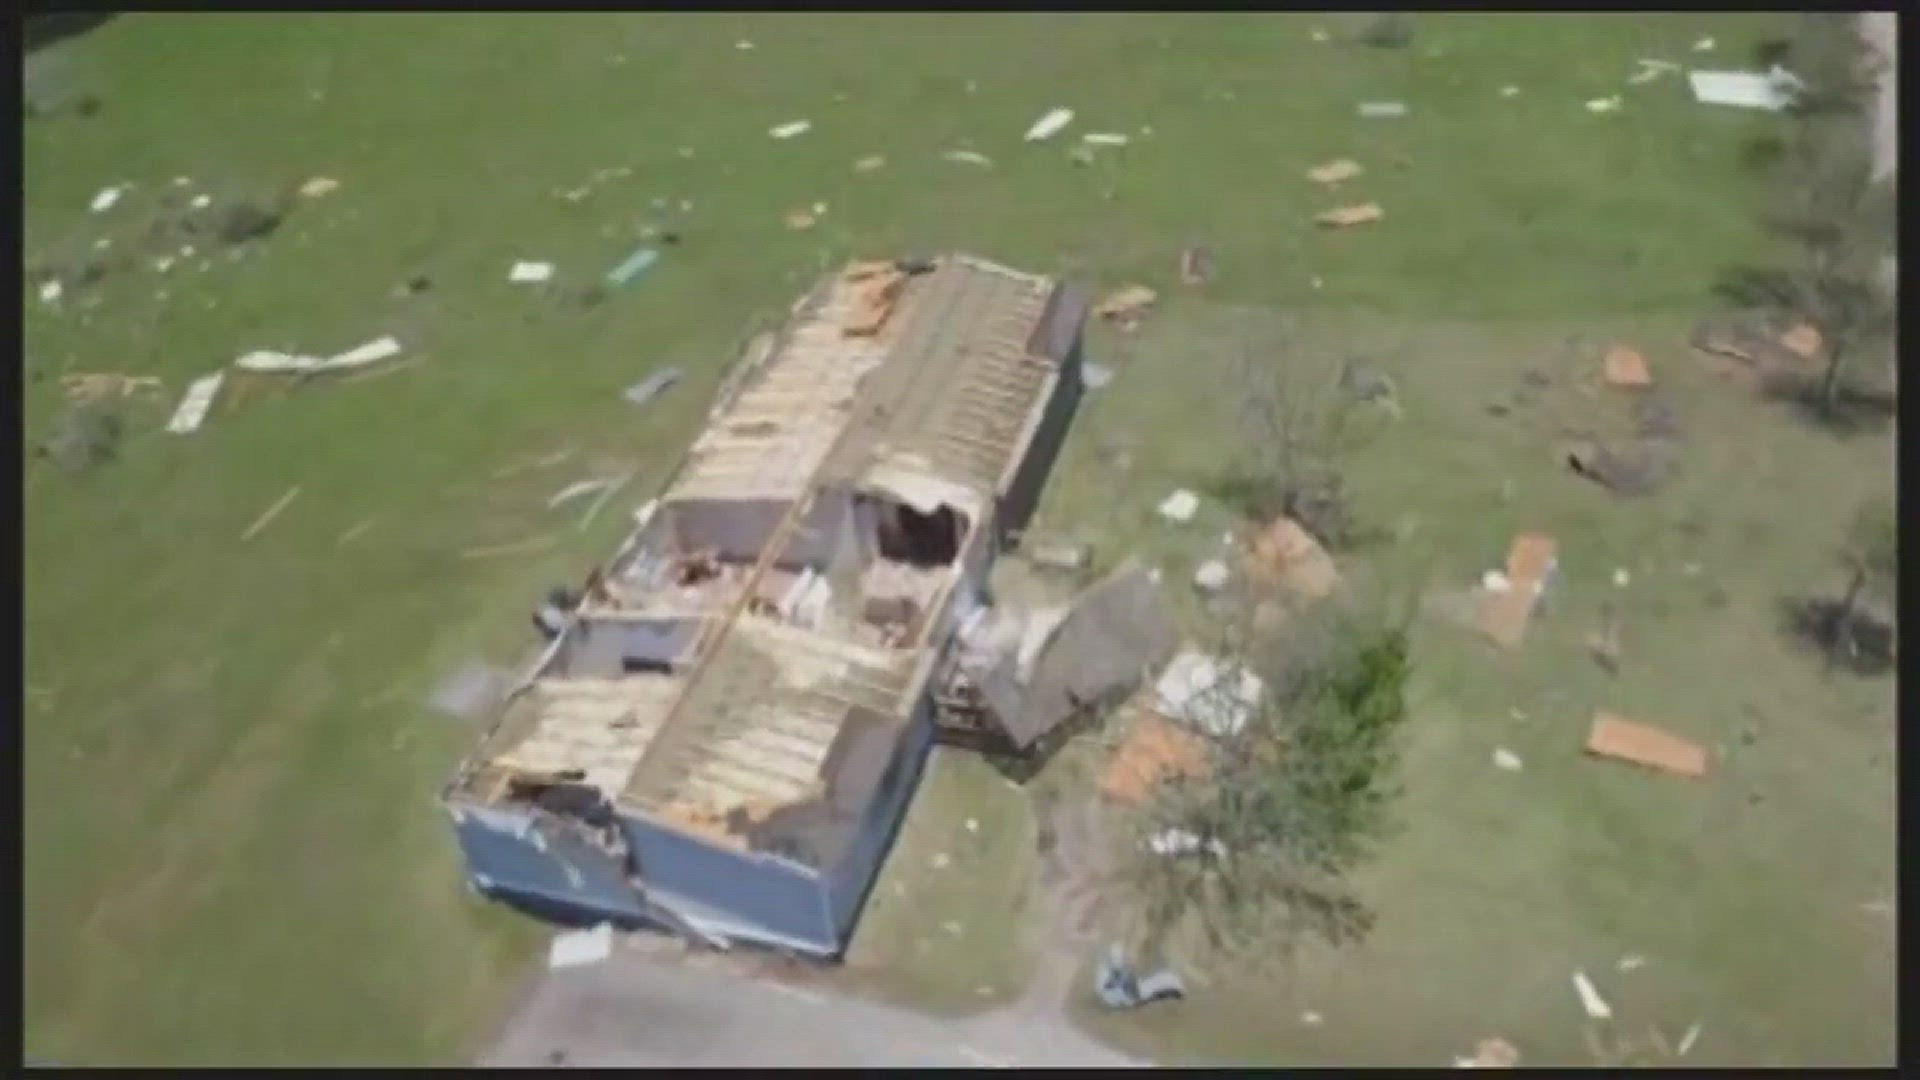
{"points": [[854, 877], [550, 872], [731, 890]]}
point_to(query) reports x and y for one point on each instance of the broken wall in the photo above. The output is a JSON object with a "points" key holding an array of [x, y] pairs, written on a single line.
{"points": [[607, 648], [852, 878], [551, 873], [734, 892]]}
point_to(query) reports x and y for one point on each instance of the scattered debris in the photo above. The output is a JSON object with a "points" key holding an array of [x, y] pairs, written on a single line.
{"points": [[1642, 744], [1126, 306], [1049, 125], [319, 186], [791, 128], [1495, 1053], [1348, 216], [973, 825], [968, 157], [1803, 341], [87, 388], [1095, 375], [193, 406], [1509, 91], [798, 219], [1630, 962], [349, 536], [1602, 465], [578, 488], [743, 44], [1119, 988], [1214, 696], [1606, 104], [534, 273], [1495, 581], [635, 265], [1310, 1018], [1319, 36], [1687, 1040], [1773, 90], [372, 352], [1651, 70], [51, 291], [1333, 172], [1625, 369], [1170, 842], [1382, 110], [577, 948], [1705, 44], [652, 386], [1105, 138], [941, 861], [104, 200], [1180, 506], [1196, 266], [1059, 555], [1590, 999], [869, 163], [1155, 749], [1211, 576], [1621, 578], [270, 513], [1532, 562], [1507, 759], [520, 547]]}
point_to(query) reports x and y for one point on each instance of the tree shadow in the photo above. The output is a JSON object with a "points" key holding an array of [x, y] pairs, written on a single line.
{"points": [[1865, 648], [53, 27]]}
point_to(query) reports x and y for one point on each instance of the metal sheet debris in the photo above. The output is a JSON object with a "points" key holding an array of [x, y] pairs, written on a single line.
{"points": [[967, 157], [1605, 104], [530, 273], [1049, 125], [1119, 987], [1506, 759], [1180, 506], [791, 128], [193, 406], [635, 265], [869, 163], [1686, 1041], [577, 948], [1596, 1006], [1382, 110], [1773, 90], [106, 198], [319, 186], [1212, 695], [1105, 138], [652, 386]]}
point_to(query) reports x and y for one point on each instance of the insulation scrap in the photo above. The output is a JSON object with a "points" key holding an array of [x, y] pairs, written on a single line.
{"points": [[1105, 138], [1642, 744], [968, 157], [1590, 1000], [1348, 216], [1625, 369], [1049, 125], [790, 129], [1286, 554], [1531, 562], [1155, 750], [319, 186], [1334, 172]]}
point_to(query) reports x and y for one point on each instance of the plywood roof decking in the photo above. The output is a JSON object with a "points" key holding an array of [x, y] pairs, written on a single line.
{"points": [[601, 726], [769, 440]]}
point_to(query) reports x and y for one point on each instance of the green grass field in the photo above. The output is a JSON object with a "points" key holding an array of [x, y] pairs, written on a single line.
{"points": [[232, 848]]}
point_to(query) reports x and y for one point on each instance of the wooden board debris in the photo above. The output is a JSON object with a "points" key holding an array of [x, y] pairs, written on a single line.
{"points": [[1625, 369], [1155, 750], [1346, 217], [1642, 744], [1504, 612], [1334, 172], [1286, 554]]}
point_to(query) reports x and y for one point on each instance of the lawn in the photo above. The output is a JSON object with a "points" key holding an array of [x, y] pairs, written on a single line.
{"points": [[232, 851]]}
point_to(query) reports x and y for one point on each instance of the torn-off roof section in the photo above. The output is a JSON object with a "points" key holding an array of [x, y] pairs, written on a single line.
{"points": [[1113, 636], [959, 385], [769, 439]]}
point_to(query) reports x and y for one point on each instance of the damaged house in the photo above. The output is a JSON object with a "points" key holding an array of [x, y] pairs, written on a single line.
{"points": [[727, 729]]}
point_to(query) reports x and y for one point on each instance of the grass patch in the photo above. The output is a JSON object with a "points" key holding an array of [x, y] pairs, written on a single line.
{"points": [[943, 928]]}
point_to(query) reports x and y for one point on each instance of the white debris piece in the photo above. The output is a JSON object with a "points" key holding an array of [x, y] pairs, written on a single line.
{"points": [[743, 44], [201, 202], [973, 825], [1590, 999], [106, 197], [1509, 91], [51, 291], [1212, 575], [319, 186], [1621, 578], [530, 272], [791, 128], [1319, 36], [645, 513], [577, 948], [1504, 758], [1383, 110], [1687, 1040], [1049, 125], [269, 360], [578, 488], [1169, 842], [1705, 44], [373, 351], [1180, 506], [1606, 104], [1310, 1018], [1630, 962], [968, 157], [1771, 91], [940, 860], [1095, 375], [1495, 581], [1209, 694], [1105, 138], [195, 403]]}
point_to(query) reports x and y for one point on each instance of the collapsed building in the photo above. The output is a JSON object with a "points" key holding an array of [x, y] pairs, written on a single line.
{"points": [[727, 728]]}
